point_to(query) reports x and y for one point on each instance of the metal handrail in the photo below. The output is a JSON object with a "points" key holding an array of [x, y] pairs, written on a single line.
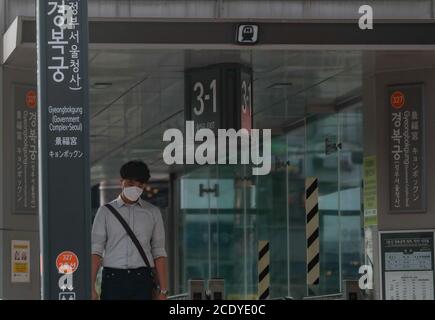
{"points": [[334, 296], [283, 298], [181, 296]]}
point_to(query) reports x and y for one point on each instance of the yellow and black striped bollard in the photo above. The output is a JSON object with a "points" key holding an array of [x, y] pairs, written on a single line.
{"points": [[263, 270], [312, 231]]}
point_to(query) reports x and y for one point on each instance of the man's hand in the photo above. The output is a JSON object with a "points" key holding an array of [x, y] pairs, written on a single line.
{"points": [[161, 297], [160, 264], [96, 264], [95, 295]]}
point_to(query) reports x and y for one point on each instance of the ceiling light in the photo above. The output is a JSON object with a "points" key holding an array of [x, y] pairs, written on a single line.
{"points": [[280, 85], [102, 85]]}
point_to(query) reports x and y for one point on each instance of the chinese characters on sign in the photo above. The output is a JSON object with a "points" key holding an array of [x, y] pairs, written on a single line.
{"points": [[406, 141], [26, 150], [407, 265], [66, 128]]}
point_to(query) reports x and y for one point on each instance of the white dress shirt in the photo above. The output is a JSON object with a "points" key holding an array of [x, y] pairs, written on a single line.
{"points": [[111, 241]]}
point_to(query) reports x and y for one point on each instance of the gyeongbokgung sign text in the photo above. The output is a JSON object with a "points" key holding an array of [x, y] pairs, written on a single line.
{"points": [[407, 148]]}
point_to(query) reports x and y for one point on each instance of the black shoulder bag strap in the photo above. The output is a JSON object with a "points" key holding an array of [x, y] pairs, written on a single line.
{"points": [[133, 238]]}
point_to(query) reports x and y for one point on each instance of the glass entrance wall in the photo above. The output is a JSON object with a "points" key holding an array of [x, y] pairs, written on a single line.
{"points": [[225, 211], [195, 227], [237, 222], [334, 157], [321, 159], [296, 150], [272, 196], [217, 228]]}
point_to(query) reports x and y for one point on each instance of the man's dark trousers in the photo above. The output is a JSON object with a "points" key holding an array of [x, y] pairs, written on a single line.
{"points": [[130, 284]]}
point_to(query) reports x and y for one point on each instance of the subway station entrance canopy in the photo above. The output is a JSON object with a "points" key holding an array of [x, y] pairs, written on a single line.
{"points": [[128, 55]]}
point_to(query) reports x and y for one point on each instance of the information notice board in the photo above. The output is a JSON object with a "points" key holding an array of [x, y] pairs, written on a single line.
{"points": [[407, 265]]}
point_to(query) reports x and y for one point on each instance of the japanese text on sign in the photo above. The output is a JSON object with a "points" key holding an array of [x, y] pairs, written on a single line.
{"points": [[66, 124]]}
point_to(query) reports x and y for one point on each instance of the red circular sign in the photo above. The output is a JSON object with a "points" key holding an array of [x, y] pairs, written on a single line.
{"points": [[31, 99], [67, 262], [397, 99]]}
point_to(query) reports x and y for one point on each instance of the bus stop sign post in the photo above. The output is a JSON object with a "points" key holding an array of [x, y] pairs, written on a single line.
{"points": [[63, 116]]}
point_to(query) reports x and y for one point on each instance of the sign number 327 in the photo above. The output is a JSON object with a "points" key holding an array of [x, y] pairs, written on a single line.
{"points": [[397, 99]]}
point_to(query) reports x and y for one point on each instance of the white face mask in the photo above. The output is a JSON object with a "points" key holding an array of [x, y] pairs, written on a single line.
{"points": [[132, 193]]}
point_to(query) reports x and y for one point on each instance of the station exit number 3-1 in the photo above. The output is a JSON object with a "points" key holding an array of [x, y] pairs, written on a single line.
{"points": [[202, 98]]}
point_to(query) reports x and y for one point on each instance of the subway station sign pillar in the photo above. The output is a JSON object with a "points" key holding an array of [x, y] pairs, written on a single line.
{"points": [[64, 182]]}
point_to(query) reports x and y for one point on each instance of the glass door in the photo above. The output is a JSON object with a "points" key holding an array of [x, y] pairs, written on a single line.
{"points": [[226, 211], [295, 211], [234, 237], [195, 226], [350, 190], [334, 156]]}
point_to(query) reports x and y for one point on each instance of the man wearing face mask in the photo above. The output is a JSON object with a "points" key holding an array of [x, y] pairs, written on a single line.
{"points": [[128, 266]]}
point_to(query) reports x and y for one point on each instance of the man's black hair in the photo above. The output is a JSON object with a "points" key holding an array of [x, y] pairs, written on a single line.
{"points": [[135, 170]]}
